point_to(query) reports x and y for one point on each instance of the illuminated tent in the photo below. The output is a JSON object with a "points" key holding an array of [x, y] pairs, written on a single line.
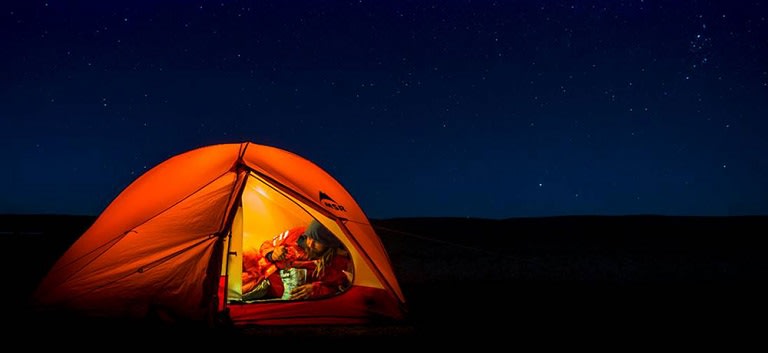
{"points": [[170, 245]]}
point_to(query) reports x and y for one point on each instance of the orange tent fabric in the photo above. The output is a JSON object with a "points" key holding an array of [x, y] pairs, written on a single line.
{"points": [[170, 245]]}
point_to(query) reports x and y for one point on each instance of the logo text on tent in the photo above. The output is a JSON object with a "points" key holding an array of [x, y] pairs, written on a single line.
{"points": [[330, 203]]}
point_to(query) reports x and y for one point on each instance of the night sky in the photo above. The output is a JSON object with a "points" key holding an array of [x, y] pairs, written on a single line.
{"points": [[491, 109]]}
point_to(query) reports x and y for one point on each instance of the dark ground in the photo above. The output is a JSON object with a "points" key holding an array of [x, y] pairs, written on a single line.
{"points": [[639, 281]]}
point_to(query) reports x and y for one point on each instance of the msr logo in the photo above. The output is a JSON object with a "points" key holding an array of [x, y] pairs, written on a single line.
{"points": [[330, 203]]}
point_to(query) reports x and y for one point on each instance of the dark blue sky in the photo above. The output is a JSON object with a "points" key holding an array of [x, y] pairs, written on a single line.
{"points": [[420, 108]]}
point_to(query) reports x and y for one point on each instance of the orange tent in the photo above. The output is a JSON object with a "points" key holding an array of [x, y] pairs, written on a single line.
{"points": [[170, 245]]}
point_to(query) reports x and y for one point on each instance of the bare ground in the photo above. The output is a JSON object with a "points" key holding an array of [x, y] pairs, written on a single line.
{"points": [[637, 281]]}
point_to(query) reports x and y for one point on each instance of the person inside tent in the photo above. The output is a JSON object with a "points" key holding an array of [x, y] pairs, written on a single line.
{"points": [[299, 263]]}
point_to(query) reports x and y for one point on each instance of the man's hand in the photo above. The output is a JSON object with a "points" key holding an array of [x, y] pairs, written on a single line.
{"points": [[303, 291], [278, 253]]}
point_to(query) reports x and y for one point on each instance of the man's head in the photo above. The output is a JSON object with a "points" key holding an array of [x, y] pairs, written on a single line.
{"points": [[320, 238]]}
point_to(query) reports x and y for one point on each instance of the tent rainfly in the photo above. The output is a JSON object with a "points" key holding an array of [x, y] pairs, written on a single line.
{"points": [[170, 245]]}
